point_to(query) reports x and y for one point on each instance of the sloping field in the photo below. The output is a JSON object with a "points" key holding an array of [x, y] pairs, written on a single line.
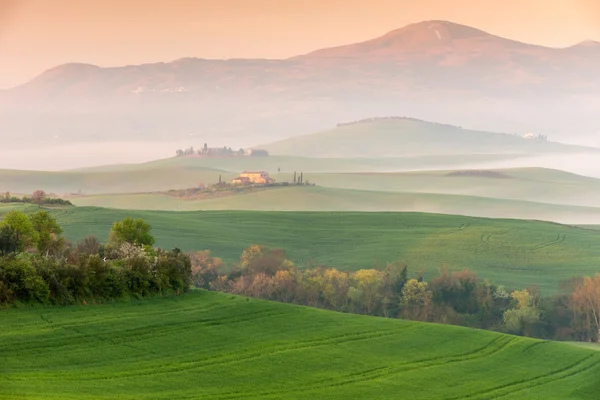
{"points": [[328, 199], [64, 183], [215, 346], [398, 137], [530, 184], [511, 252]]}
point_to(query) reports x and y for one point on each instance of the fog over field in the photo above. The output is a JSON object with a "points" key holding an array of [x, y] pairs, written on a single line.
{"points": [[80, 155], [582, 164]]}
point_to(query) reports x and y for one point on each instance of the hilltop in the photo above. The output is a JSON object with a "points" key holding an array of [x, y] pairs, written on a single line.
{"points": [[433, 37], [434, 70], [397, 136], [210, 345]]}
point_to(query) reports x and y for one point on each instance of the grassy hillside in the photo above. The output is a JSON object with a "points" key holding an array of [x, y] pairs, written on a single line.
{"points": [[216, 346], [175, 173], [512, 252], [395, 138], [126, 180], [314, 198]]}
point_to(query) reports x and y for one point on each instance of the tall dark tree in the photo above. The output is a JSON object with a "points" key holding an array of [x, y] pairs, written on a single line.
{"points": [[8, 240]]}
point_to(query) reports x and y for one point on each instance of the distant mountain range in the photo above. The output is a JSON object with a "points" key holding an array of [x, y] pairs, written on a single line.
{"points": [[433, 70]]}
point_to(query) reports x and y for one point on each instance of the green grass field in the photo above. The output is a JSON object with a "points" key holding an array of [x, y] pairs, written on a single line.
{"points": [[586, 345], [394, 138], [511, 252], [216, 346], [329, 199]]}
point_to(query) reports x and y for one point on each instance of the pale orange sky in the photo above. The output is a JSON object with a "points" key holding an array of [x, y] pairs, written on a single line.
{"points": [[39, 34]]}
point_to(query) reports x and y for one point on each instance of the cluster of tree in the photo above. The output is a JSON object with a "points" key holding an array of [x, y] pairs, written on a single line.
{"points": [[37, 265], [453, 297], [210, 151], [38, 197], [217, 189], [299, 179]]}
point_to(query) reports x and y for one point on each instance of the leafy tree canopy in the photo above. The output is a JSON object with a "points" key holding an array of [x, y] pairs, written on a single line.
{"points": [[20, 228], [129, 230], [48, 231]]}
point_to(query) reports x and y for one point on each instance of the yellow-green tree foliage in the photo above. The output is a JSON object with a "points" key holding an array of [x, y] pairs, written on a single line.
{"points": [[524, 315], [416, 300]]}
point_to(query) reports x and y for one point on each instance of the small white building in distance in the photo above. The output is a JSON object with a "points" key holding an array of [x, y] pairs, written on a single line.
{"points": [[529, 135]]}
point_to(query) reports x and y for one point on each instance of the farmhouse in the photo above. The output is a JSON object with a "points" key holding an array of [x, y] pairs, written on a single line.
{"points": [[253, 177]]}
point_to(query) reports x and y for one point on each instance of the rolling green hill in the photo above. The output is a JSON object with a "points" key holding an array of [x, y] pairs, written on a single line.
{"points": [[314, 198], [530, 184], [216, 346], [399, 137], [512, 252], [125, 180], [176, 173]]}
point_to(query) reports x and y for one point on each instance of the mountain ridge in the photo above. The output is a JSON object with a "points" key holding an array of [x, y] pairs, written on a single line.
{"points": [[431, 33], [433, 70], [414, 32]]}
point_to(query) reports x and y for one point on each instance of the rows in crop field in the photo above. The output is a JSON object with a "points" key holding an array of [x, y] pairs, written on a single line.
{"points": [[497, 345], [579, 367]]}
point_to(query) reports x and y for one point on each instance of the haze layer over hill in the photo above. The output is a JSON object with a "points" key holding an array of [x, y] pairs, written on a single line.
{"points": [[433, 70], [394, 137]]}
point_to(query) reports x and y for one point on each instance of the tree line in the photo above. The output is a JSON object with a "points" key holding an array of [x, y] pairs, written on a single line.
{"points": [[210, 151], [37, 265], [38, 197], [452, 297]]}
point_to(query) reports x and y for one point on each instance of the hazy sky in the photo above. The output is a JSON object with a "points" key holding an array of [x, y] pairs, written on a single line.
{"points": [[38, 34]]}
